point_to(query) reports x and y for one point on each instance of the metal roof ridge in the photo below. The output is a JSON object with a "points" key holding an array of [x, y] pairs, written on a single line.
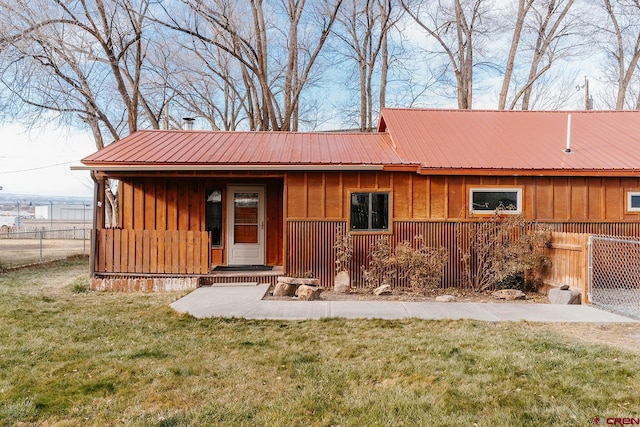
{"points": [[274, 132]]}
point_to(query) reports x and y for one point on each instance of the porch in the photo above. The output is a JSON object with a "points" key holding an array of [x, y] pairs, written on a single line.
{"points": [[152, 260]]}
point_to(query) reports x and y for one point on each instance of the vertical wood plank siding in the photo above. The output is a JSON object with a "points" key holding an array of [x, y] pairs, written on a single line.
{"points": [[310, 249], [314, 195], [311, 243], [179, 204], [152, 251]]}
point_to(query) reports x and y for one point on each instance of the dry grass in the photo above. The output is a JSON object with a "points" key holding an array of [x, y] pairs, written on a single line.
{"points": [[99, 359], [20, 252]]}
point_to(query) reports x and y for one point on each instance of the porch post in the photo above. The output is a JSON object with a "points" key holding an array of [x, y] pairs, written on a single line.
{"points": [[98, 218]]}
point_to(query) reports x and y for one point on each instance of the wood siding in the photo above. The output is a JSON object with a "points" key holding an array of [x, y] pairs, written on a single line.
{"points": [[164, 204], [325, 195], [152, 251], [315, 255], [303, 210]]}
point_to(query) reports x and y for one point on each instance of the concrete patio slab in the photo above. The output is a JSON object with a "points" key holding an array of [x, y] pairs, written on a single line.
{"points": [[245, 301], [368, 310], [452, 310]]}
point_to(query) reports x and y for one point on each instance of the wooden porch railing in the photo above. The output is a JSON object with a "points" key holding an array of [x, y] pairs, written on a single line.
{"points": [[152, 252]]}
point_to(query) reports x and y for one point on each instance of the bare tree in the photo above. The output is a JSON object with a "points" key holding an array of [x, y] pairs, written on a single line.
{"points": [[620, 41], [79, 61], [545, 33], [455, 26], [523, 9], [364, 28], [275, 56], [551, 27], [204, 82]]}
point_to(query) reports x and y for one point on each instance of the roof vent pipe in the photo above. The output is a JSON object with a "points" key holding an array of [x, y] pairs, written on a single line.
{"points": [[187, 123], [568, 149]]}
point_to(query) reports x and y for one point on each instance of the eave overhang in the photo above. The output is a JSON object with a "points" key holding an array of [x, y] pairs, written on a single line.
{"points": [[530, 172], [226, 167], [421, 170]]}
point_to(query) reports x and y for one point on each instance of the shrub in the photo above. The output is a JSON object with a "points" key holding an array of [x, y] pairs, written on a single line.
{"points": [[344, 249], [502, 251], [421, 266], [381, 270]]}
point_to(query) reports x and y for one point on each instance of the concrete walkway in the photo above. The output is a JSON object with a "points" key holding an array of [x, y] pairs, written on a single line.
{"points": [[245, 301]]}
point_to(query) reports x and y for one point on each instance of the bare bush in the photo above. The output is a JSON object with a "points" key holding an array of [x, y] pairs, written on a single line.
{"points": [[420, 265], [501, 251], [381, 270], [343, 246]]}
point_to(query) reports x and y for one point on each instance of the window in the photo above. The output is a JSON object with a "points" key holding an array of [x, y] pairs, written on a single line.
{"points": [[633, 201], [487, 200], [213, 216], [369, 211]]}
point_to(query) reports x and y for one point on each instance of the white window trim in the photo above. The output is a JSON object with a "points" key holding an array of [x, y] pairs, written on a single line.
{"points": [[630, 194], [517, 190]]}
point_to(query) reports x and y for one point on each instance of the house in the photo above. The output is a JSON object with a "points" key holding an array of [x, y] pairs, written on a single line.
{"points": [[191, 201]]}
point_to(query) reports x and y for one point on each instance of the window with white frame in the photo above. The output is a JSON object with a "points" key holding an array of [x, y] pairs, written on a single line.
{"points": [[488, 200], [633, 201], [369, 211]]}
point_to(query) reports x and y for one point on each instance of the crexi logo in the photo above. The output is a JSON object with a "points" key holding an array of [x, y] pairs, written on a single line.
{"points": [[616, 421]]}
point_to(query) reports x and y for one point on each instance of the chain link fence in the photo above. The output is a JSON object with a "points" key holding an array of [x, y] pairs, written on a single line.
{"points": [[21, 248], [614, 274]]}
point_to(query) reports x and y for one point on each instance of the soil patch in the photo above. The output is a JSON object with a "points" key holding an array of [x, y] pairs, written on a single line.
{"points": [[620, 336], [403, 294]]}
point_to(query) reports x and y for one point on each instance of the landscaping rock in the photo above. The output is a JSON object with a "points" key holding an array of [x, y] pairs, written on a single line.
{"points": [[299, 281], [342, 283], [564, 296], [308, 293], [382, 290], [445, 298], [509, 294], [284, 290]]}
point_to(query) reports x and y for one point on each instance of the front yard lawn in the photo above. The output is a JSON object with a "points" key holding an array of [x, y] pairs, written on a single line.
{"points": [[69, 357]]}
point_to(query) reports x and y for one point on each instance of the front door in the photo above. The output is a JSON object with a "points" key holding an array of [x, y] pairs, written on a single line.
{"points": [[245, 234]]}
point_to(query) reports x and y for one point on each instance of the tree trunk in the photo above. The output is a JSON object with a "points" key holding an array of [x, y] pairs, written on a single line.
{"points": [[523, 9]]}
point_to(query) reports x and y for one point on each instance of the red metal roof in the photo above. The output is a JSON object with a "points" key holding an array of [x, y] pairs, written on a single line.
{"points": [[522, 140], [173, 148], [429, 141]]}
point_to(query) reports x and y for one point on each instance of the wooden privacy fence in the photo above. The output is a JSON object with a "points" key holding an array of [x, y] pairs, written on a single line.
{"points": [[310, 248], [569, 256], [152, 251]]}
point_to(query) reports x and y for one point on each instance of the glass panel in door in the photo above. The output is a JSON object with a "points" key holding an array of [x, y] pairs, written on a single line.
{"points": [[245, 214], [245, 233]]}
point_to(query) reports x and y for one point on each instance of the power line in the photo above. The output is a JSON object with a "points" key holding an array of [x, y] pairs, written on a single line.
{"points": [[38, 168]]}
